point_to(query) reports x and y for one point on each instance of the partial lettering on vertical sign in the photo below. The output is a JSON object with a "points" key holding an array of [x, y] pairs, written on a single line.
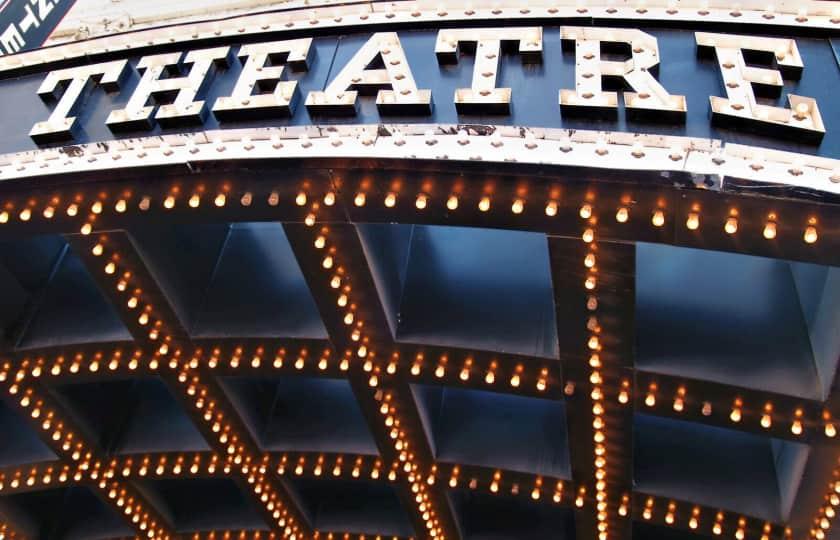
{"points": [[68, 87], [260, 91], [649, 99], [380, 67], [26, 24], [482, 96], [153, 86], [742, 80]]}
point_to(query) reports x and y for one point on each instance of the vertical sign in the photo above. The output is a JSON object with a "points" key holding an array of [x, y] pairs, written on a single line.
{"points": [[26, 24]]}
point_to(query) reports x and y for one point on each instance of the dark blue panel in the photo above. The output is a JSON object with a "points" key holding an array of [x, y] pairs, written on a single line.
{"points": [[496, 430], [301, 414], [258, 289], [352, 506], [73, 311], [481, 288], [387, 248], [25, 445], [202, 504], [182, 258], [535, 91], [133, 416], [714, 466], [73, 513], [819, 296], [157, 423], [722, 317], [31, 260], [496, 517]]}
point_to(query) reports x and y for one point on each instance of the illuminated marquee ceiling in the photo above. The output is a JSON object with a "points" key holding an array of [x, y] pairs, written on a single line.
{"points": [[202, 341]]}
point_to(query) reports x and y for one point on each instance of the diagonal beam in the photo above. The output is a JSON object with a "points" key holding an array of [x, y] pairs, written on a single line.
{"points": [[67, 439], [338, 274], [117, 267], [594, 298]]}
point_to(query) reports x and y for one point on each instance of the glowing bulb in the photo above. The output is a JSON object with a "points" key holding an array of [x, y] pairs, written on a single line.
{"points": [[452, 202], [194, 201], [300, 200], [421, 202], [830, 430], [650, 400], [658, 218], [518, 206], [220, 200], [622, 215], [586, 211], [484, 204], [810, 235], [390, 200], [766, 421], [770, 230], [359, 200], [551, 209], [693, 221], [731, 226]]}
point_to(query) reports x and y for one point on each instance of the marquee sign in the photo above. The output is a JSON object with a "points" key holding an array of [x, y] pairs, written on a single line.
{"points": [[775, 90]]}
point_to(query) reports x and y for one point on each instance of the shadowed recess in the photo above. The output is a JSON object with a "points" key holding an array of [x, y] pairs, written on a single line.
{"points": [[737, 319], [483, 516], [24, 445], [239, 280], [467, 287], [354, 506], [132, 416], [495, 430], [306, 414], [72, 513], [202, 504], [718, 467]]}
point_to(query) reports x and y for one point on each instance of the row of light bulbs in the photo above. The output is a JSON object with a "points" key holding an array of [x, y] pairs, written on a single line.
{"points": [[341, 285], [731, 225], [828, 510], [694, 518], [69, 443], [198, 393], [766, 420], [594, 346]]}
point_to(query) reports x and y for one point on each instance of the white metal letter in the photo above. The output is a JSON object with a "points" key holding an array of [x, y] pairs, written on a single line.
{"points": [[483, 96], [740, 108], [243, 102], [61, 123], [183, 109], [396, 91], [648, 101]]}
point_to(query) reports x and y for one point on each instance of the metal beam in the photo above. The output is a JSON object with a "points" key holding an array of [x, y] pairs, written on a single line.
{"points": [[118, 268], [359, 330]]}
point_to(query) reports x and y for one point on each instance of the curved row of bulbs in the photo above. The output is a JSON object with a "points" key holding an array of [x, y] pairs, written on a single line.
{"points": [[422, 201]]}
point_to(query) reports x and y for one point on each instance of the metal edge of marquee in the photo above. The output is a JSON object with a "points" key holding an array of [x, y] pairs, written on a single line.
{"points": [[707, 162], [815, 17]]}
